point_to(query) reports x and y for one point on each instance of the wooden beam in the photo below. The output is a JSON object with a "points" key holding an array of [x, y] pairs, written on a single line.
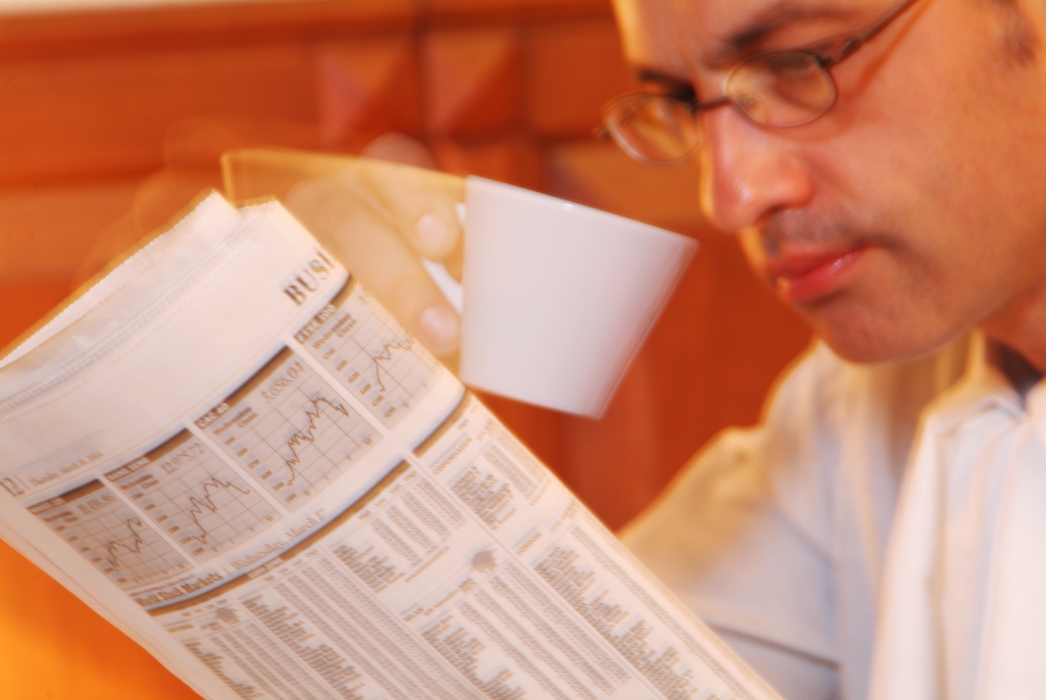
{"points": [[464, 12], [73, 33]]}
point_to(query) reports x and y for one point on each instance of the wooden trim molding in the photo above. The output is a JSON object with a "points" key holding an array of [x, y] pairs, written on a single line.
{"points": [[80, 32], [71, 33]]}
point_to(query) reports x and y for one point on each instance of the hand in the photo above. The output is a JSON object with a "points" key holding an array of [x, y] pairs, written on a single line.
{"points": [[379, 218]]}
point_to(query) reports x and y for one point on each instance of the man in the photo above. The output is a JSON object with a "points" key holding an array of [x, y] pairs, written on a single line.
{"points": [[882, 534], [910, 211]]}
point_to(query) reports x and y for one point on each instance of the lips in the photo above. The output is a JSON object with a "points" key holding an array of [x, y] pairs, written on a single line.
{"points": [[804, 277]]}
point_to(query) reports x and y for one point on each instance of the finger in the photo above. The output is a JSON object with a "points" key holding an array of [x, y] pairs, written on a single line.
{"points": [[435, 239], [394, 147], [360, 233], [420, 201]]}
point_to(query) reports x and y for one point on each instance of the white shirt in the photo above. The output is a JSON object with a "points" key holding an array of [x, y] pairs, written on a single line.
{"points": [[910, 495]]}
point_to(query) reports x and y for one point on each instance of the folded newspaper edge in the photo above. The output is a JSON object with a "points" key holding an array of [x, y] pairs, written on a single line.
{"points": [[233, 453]]}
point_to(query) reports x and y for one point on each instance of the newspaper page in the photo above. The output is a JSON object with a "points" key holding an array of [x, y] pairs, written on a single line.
{"points": [[229, 449]]}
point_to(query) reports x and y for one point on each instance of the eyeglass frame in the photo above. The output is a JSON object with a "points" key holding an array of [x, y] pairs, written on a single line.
{"points": [[695, 107]]}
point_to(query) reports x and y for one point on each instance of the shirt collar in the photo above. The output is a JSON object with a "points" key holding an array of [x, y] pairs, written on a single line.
{"points": [[984, 386]]}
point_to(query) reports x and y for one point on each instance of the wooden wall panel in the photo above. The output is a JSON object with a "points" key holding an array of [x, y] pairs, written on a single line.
{"points": [[53, 647], [572, 68], [472, 80], [34, 225], [366, 87], [25, 299], [522, 11], [512, 158], [107, 115]]}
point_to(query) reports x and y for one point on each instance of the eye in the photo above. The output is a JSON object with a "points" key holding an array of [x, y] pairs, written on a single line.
{"points": [[683, 93], [827, 52]]}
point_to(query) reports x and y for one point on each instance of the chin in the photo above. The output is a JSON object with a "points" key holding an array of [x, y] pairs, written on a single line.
{"points": [[876, 343], [870, 353]]}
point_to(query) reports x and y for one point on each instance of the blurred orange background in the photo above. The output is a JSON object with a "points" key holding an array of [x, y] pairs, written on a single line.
{"points": [[111, 120]]}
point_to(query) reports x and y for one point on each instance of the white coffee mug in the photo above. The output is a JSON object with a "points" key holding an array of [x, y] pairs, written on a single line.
{"points": [[557, 296]]}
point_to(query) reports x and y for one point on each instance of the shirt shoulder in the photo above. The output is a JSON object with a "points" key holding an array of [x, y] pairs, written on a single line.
{"points": [[746, 533], [832, 426]]}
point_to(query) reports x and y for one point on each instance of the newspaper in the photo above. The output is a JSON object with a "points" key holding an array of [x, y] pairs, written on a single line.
{"points": [[230, 450]]}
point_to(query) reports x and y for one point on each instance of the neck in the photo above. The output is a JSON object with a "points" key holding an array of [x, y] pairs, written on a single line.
{"points": [[1021, 327]]}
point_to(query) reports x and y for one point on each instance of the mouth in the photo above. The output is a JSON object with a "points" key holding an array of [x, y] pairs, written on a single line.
{"points": [[802, 277]]}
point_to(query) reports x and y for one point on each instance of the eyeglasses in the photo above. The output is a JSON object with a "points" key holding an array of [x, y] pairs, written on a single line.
{"points": [[778, 88]]}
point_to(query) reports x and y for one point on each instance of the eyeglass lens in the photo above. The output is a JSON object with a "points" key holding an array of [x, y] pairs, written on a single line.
{"points": [[782, 89], [653, 127]]}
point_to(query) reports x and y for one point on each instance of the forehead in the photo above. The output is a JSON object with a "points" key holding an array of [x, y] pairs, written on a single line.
{"points": [[682, 36]]}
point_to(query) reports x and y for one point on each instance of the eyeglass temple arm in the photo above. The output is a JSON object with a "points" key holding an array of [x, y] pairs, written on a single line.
{"points": [[858, 41]]}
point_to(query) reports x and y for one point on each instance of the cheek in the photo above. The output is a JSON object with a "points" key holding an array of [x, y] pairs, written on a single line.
{"points": [[752, 246], [952, 161], [973, 187], [974, 118]]}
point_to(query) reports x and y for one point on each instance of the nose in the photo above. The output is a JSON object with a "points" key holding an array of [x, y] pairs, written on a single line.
{"points": [[749, 172]]}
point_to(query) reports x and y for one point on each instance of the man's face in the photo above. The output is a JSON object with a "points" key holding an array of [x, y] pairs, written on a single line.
{"points": [[916, 207]]}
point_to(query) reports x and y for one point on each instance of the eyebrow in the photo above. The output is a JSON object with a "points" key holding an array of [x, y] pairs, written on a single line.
{"points": [[651, 75], [763, 25], [760, 28]]}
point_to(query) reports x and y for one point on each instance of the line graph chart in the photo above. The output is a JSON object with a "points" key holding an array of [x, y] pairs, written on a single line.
{"points": [[379, 362], [196, 498], [290, 430], [110, 535]]}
